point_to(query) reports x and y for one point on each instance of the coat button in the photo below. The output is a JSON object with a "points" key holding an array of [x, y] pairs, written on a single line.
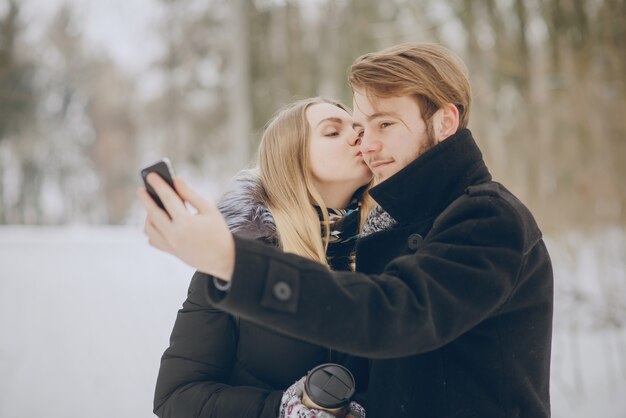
{"points": [[414, 241], [282, 291]]}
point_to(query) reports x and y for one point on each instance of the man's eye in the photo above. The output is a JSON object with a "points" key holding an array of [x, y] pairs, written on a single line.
{"points": [[384, 125], [360, 134]]}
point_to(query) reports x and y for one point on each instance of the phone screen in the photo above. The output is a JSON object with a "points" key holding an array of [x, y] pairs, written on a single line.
{"points": [[164, 169]]}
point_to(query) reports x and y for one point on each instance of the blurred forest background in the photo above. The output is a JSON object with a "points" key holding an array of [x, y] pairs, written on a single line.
{"points": [[199, 81], [548, 77]]}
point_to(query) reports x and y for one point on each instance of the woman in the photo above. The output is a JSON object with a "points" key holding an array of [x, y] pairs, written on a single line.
{"points": [[307, 198]]}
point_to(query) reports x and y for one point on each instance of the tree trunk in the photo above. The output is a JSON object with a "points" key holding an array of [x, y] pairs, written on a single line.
{"points": [[239, 86]]}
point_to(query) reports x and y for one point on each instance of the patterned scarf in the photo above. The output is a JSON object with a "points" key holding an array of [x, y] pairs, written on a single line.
{"points": [[377, 220], [344, 231]]}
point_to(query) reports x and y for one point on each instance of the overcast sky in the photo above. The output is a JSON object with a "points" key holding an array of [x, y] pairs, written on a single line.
{"points": [[123, 28]]}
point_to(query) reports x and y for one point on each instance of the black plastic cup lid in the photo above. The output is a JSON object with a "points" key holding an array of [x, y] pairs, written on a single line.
{"points": [[330, 385]]}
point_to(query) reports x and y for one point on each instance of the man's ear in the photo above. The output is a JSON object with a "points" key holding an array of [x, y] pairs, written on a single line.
{"points": [[445, 122]]}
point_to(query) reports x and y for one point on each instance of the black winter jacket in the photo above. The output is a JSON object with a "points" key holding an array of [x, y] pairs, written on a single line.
{"points": [[454, 303], [220, 366]]}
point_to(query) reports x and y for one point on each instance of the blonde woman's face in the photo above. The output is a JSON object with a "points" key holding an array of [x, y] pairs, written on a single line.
{"points": [[335, 158]]}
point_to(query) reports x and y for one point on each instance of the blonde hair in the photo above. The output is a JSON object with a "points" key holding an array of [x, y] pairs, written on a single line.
{"points": [[431, 73], [288, 183]]}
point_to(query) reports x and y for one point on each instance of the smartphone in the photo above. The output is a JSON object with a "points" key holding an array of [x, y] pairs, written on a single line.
{"points": [[164, 169]]}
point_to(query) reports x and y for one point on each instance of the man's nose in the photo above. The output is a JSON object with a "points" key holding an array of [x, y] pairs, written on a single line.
{"points": [[368, 144]]}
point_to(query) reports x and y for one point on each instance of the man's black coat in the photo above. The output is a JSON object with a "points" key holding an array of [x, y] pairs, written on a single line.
{"points": [[453, 304]]}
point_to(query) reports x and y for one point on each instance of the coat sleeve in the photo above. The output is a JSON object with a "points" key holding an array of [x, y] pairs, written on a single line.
{"points": [[465, 269], [197, 364]]}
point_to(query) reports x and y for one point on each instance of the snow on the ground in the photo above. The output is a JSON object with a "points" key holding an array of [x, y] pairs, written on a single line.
{"points": [[589, 341], [85, 314], [589, 374]]}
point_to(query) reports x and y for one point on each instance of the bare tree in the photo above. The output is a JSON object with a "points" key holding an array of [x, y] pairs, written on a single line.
{"points": [[17, 102]]}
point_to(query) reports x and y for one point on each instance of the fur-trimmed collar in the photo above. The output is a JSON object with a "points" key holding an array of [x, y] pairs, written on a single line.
{"points": [[243, 206]]}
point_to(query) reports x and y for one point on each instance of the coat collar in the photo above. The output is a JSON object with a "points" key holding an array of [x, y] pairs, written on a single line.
{"points": [[425, 187], [244, 209]]}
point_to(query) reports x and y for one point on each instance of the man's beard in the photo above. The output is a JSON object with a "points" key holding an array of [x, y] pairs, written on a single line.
{"points": [[431, 141]]}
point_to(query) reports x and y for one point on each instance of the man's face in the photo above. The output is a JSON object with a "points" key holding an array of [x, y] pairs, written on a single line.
{"points": [[393, 133]]}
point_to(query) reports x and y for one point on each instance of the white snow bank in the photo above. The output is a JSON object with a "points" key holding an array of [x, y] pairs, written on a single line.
{"points": [[85, 315]]}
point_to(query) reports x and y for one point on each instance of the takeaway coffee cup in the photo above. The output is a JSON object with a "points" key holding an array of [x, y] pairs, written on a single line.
{"points": [[329, 387]]}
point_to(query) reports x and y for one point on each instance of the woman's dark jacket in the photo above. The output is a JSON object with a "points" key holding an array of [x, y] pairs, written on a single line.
{"points": [[453, 303], [220, 366]]}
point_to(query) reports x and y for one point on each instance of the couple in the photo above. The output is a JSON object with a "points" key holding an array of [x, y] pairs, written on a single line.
{"points": [[451, 300]]}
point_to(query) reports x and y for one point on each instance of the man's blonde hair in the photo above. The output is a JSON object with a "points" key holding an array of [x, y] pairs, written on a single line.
{"points": [[431, 73], [288, 183]]}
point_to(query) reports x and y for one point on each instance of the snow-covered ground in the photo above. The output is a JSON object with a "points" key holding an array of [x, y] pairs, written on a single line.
{"points": [[85, 314], [589, 342]]}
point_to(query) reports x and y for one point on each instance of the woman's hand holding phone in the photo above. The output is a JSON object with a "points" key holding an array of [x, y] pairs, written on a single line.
{"points": [[200, 239]]}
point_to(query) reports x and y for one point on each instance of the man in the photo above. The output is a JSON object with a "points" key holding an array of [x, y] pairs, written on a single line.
{"points": [[452, 300]]}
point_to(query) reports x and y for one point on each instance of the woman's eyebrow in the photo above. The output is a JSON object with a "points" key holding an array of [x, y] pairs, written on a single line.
{"points": [[331, 119]]}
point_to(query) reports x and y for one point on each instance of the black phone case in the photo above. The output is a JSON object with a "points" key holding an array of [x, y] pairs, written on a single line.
{"points": [[162, 170]]}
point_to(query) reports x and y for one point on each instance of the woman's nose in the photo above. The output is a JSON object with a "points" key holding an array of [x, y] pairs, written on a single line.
{"points": [[354, 139]]}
